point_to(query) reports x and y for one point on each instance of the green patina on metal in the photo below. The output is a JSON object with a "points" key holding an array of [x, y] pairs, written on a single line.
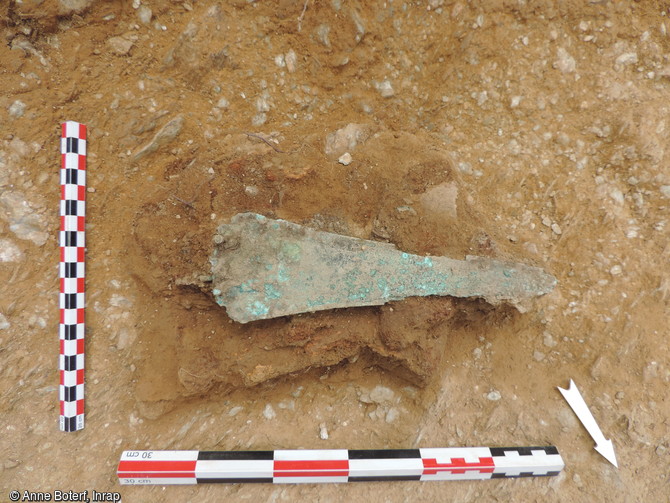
{"points": [[264, 268]]}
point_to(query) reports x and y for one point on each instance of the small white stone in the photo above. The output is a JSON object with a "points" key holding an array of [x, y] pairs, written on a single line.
{"points": [[287, 404], [494, 396], [251, 190], [291, 61], [323, 431], [538, 356], [9, 252], [345, 159], [235, 411], [441, 200], [556, 228], [145, 14], [4, 323], [549, 340], [566, 63], [381, 394], [262, 104], [392, 415], [17, 109], [617, 196], [515, 101], [259, 119], [616, 270], [222, 103], [345, 139], [119, 45], [665, 191], [385, 89], [269, 412], [323, 34], [627, 58]]}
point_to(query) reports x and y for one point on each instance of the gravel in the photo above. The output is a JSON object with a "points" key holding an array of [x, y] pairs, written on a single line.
{"points": [[167, 134], [627, 58], [494, 396], [9, 251], [4, 322], [565, 63], [345, 159], [441, 201], [381, 394], [235, 411], [548, 340], [392, 415], [17, 109], [269, 413], [119, 45], [385, 89], [322, 33], [23, 219], [291, 61], [259, 119], [144, 14], [346, 138]]}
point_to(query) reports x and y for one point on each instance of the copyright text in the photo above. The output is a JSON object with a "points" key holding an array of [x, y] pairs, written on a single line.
{"points": [[57, 495]]}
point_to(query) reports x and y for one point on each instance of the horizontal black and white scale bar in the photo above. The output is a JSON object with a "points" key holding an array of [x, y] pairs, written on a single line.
{"points": [[337, 465]]}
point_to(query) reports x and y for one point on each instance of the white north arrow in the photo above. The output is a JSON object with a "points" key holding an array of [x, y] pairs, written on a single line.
{"points": [[576, 401]]}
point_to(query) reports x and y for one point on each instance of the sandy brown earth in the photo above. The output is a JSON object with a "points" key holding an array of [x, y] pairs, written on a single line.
{"points": [[532, 131]]}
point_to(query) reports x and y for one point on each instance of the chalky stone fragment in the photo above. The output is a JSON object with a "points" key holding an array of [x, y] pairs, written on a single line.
{"points": [[264, 268]]}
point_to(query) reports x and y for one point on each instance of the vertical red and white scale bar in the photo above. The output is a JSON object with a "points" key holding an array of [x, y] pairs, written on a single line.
{"points": [[72, 252]]}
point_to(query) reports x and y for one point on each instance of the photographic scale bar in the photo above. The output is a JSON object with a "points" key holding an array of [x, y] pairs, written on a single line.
{"points": [[71, 274], [336, 465]]}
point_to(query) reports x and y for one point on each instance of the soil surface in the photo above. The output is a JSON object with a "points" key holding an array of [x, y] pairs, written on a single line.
{"points": [[528, 131]]}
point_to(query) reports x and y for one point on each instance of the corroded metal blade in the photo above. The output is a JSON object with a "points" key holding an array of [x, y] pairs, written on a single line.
{"points": [[264, 268]]}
